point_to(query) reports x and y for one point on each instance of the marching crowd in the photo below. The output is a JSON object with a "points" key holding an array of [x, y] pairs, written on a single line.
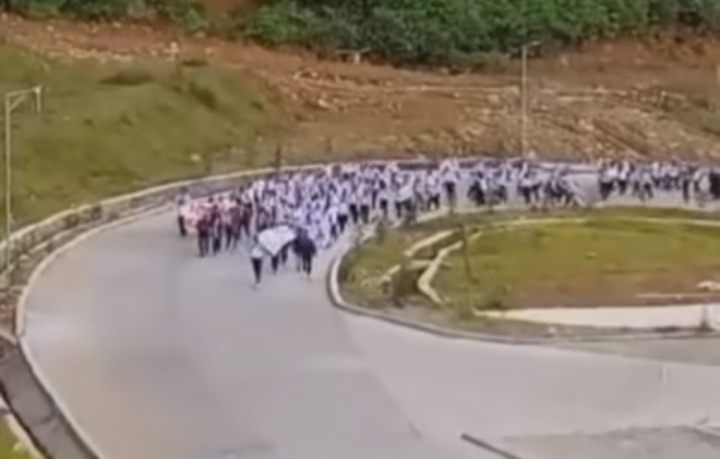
{"points": [[319, 206]]}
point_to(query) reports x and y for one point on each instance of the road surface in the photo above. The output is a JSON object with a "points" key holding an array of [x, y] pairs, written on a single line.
{"points": [[157, 354]]}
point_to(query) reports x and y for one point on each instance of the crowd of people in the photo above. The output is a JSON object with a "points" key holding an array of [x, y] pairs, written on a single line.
{"points": [[319, 206]]}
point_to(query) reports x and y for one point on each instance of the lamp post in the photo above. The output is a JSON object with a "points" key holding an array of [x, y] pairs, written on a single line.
{"points": [[523, 95], [13, 100]]}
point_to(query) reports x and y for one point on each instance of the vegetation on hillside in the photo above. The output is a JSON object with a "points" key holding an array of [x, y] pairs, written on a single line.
{"points": [[468, 33], [457, 31], [106, 129], [188, 13]]}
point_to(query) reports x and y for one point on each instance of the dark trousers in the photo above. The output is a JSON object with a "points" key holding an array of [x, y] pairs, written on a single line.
{"points": [[526, 194], [231, 237], [181, 226], [342, 222], [257, 269], [450, 192], [275, 263], [384, 208], [354, 214], [203, 243], [216, 242], [606, 189], [365, 214], [307, 265]]}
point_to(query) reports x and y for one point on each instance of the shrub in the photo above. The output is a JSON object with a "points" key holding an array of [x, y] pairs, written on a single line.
{"points": [[128, 77], [188, 13], [462, 32]]}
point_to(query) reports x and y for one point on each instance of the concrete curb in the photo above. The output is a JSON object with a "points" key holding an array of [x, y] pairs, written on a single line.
{"points": [[338, 301]]}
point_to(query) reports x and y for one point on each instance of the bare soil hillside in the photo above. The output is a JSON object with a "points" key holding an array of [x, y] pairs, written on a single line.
{"points": [[627, 98]]}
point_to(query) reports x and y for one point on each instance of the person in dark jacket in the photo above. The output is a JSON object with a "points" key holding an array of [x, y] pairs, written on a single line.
{"points": [[306, 250], [216, 229], [256, 259], [203, 229]]}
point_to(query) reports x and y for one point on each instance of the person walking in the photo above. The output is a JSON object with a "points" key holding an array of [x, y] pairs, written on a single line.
{"points": [[181, 204], [203, 235], [307, 250], [256, 258]]}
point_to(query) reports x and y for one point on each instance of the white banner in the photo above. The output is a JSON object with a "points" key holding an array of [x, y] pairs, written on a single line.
{"points": [[274, 239]]}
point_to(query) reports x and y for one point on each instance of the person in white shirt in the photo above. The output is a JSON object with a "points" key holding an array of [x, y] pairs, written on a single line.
{"points": [[182, 203]]}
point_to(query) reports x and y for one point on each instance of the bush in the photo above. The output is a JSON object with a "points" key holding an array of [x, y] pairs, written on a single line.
{"points": [[128, 77], [467, 33], [188, 13]]}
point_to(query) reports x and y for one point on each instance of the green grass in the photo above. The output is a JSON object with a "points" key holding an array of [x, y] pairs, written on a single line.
{"points": [[111, 128], [363, 268], [7, 445], [604, 261]]}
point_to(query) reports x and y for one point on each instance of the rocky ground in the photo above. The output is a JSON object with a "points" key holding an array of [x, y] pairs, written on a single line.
{"points": [[626, 98]]}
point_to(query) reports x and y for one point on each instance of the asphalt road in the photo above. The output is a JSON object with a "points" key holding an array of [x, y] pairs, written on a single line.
{"points": [[158, 354]]}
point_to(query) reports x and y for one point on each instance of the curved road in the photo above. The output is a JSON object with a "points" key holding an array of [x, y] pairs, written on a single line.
{"points": [[158, 354]]}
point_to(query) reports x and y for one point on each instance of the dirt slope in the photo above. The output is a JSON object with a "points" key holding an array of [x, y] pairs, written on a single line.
{"points": [[619, 99]]}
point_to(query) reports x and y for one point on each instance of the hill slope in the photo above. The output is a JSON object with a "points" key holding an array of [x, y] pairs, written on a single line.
{"points": [[107, 128], [637, 98]]}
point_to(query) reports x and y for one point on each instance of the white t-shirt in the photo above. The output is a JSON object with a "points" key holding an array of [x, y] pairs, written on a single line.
{"points": [[256, 252]]}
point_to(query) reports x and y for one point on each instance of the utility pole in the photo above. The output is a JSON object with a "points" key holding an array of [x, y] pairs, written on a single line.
{"points": [[13, 100], [524, 95], [278, 160]]}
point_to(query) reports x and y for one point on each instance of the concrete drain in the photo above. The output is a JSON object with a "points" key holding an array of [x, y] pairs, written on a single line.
{"points": [[638, 443]]}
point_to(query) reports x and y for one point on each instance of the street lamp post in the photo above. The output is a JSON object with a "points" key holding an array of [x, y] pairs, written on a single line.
{"points": [[523, 95], [13, 100]]}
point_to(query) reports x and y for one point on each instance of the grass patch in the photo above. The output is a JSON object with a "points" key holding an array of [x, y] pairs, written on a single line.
{"points": [[603, 261], [627, 257], [111, 128], [362, 269], [8, 445]]}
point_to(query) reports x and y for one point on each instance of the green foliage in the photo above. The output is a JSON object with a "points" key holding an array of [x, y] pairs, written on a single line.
{"points": [[188, 13], [463, 32]]}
